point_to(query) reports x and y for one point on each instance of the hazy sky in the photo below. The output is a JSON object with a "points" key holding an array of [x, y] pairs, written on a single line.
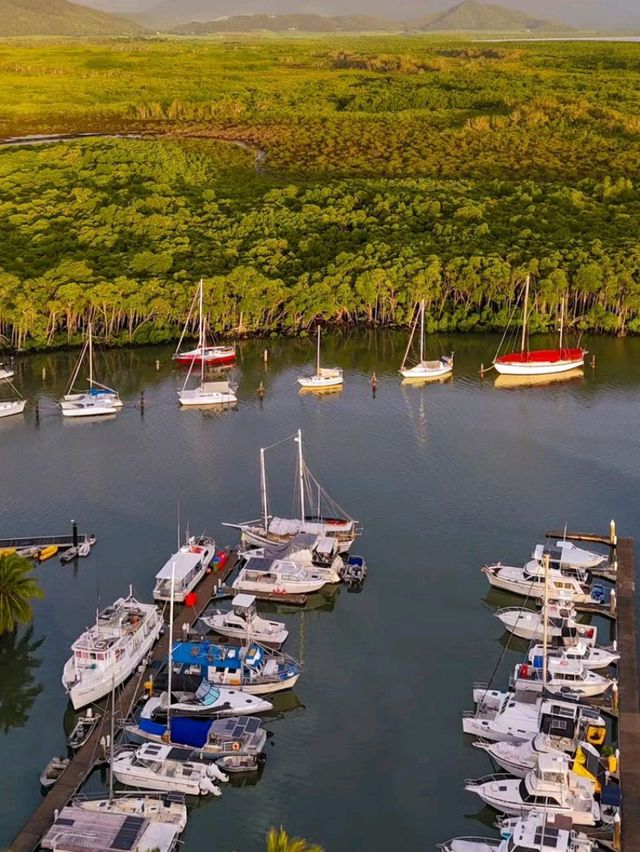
{"points": [[586, 13]]}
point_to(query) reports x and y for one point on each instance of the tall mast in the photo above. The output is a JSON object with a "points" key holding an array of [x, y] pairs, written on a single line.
{"points": [[90, 357], [524, 315], [170, 673], [562, 319], [318, 354], [545, 636], [263, 489], [422, 331], [301, 474], [201, 346], [112, 734]]}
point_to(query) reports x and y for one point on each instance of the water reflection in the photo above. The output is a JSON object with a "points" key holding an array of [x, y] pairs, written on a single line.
{"points": [[510, 382], [18, 687]]}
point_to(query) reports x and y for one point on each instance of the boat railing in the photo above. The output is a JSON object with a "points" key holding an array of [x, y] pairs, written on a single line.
{"points": [[480, 684], [486, 779], [469, 714]]}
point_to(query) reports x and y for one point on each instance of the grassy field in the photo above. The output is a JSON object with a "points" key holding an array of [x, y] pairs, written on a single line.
{"points": [[396, 168]]}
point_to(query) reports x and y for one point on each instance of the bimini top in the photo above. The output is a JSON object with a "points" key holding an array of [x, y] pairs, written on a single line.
{"points": [[243, 601], [76, 830], [185, 560], [221, 656]]}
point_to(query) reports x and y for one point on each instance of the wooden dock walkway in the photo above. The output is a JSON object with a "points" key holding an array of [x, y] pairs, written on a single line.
{"points": [[85, 758]]}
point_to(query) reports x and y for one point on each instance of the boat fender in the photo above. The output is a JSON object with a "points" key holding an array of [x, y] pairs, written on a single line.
{"points": [[235, 746], [207, 786], [214, 771]]}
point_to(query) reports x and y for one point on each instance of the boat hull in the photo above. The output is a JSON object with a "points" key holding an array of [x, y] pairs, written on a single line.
{"points": [[217, 624], [504, 796], [154, 809], [93, 409], [7, 409], [268, 688], [542, 362], [313, 383], [422, 372], [219, 356], [195, 398]]}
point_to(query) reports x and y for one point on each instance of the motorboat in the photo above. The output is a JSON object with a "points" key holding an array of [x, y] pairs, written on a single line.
{"points": [[537, 362], [518, 716], [538, 831], [423, 369], [252, 668], [76, 829], [206, 702], [98, 400], [319, 554], [592, 657], [167, 808], [243, 622], [277, 577], [106, 654], [355, 571], [83, 729], [214, 356], [529, 582], [52, 771], [324, 377], [159, 767], [184, 569], [551, 783], [561, 622], [565, 554], [564, 677]]}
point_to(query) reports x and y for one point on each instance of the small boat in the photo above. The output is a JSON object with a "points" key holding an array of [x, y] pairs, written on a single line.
{"points": [[47, 552], [529, 582], [561, 622], [207, 702], [9, 407], [6, 373], [552, 782], [153, 766], [424, 370], [355, 571], [539, 361], [75, 829], [318, 555], [209, 393], [83, 729], [184, 569], [106, 654], [215, 356], [564, 677], [324, 377], [53, 770], [539, 831], [277, 577], [167, 808], [69, 554], [84, 549], [591, 656], [243, 622], [252, 668], [98, 400]]}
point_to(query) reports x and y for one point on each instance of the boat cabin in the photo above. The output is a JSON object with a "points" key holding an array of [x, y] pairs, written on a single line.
{"points": [[550, 833], [225, 665], [567, 556], [76, 830], [244, 606], [185, 569]]}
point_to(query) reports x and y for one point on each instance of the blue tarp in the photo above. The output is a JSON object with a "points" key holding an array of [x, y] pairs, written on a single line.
{"points": [[151, 727], [191, 732]]}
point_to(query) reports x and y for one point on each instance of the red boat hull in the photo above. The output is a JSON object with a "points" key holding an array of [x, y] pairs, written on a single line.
{"points": [[216, 359]]}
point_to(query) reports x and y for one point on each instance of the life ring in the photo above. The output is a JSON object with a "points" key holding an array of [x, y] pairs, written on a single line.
{"points": [[235, 746]]}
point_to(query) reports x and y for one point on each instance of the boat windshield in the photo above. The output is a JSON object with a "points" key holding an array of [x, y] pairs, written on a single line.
{"points": [[207, 694]]}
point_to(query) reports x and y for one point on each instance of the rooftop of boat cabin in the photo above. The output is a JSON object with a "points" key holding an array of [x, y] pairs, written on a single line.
{"points": [[76, 830], [207, 654], [544, 832], [182, 562]]}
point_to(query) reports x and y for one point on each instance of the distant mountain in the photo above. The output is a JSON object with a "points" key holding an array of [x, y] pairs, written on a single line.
{"points": [[477, 17], [59, 18], [284, 23]]}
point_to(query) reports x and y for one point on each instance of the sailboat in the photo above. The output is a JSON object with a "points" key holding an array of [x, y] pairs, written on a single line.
{"points": [[12, 406], [206, 393], [424, 369], [98, 399], [270, 530], [324, 377], [539, 362], [217, 356], [5, 373]]}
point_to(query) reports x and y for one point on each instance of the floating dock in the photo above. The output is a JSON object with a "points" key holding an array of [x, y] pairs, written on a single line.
{"points": [[71, 539], [292, 600], [86, 757]]}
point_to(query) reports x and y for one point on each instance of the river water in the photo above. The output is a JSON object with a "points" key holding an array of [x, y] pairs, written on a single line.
{"points": [[369, 751]]}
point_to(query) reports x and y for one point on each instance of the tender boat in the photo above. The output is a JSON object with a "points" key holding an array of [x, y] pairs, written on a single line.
{"points": [[75, 829], [163, 768], [243, 622], [53, 770], [537, 832], [561, 622], [167, 808], [185, 568], [207, 702], [424, 369], [98, 400], [592, 657], [83, 729], [106, 654], [529, 582], [6, 373], [516, 717], [564, 677], [214, 356], [9, 407], [325, 377], [251, 668], [355, 571], [552, 782], [538, 362], [277, 577]]}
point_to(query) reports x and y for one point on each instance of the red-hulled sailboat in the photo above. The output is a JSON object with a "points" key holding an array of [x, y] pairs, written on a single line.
{"points": [[539, 362], [217, 356]]}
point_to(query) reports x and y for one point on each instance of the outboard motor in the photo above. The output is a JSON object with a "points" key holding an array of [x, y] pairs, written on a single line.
{"points": [[214, 771], [207, 786]]}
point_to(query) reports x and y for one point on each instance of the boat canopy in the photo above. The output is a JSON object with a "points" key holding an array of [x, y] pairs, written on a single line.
{"points": [[220, 656], [185, 560], [243, 602]]}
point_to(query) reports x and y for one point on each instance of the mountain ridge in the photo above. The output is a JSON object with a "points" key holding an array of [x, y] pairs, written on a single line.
{"points": [[60, 18]]}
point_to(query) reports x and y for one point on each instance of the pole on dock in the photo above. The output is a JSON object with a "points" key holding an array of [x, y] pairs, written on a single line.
{"points": [[265, 357], [613, 602], [74, 532], [374, 385], [612, 532], [36, 410], [142, 403], [614, 696], [157, 364], [593, 362], [482, 371], [261, 391], [617, 833]]}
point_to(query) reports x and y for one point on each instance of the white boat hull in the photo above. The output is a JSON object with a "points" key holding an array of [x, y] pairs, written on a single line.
{"points": [[7, 409], [266, 688], [88, 409], [538, 369], [147, 780], [504, 796], [195, 398], [273, 637], [152, 808], [315, 383], [509, 581], [279, 588], [254, 537], [422, 371]]}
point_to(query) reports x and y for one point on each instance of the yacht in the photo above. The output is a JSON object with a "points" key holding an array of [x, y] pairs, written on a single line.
{"points": [[277, 577], [319, 554], [592, 657], [538, 831], [76, 829], [184, 569], [243, 622], [160, 767], [207, 702], [106, 654], [561, 623], [565, 554], [529, 582]]}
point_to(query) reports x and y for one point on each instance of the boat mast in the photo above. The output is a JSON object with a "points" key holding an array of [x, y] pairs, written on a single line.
{"points": [[524, 315], [422, 331], [545, 637], [201, 344], [301, 474], [413, 331], [90, 357], [318, 355], [263, 490], [170, 673], [112, 734], [562, 319]]}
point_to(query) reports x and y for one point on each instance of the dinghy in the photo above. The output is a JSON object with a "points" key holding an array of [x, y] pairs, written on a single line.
{"points": [[186, 567], [106, 654], [53, 770], [163, 768], [325, 377], [83, 729], [207, 702], [552, 782], [215, 356], [15, 405], [355, 571], [243, 622], [169, 808], [538, 831], [424, 370]]}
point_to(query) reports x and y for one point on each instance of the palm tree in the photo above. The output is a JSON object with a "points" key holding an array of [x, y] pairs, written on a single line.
{"points": [[17, 589], [279, 841]]}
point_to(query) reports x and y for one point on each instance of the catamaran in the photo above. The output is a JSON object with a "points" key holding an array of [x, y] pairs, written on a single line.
{"points": [[424, 369], [538, 831], [272, 530], [184, 570], [243, 622], [216, 356], [98, 400], [106, 654], [539, 361], [324, 377]]}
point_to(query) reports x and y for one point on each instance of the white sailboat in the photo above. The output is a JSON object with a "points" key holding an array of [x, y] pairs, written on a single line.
{"points": [[6, 373], [98, 400], [424, 369], [325, 377], [16, 405], [206, 393]]}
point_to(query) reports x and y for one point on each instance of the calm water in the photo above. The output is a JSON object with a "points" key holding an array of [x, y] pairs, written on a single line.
{"points": [[443, 477]]}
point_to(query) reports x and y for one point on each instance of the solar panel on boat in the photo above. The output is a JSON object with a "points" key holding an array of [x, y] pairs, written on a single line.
{"points": [[548, 835], [252, 725], [125, 838], [64, 821]]}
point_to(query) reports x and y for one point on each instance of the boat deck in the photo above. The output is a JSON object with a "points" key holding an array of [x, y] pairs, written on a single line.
{"points": [[86, 757]]}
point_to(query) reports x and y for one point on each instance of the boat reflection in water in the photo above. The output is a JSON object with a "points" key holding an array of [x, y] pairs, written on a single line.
{"points": [[510, 382], [423, 380]]}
